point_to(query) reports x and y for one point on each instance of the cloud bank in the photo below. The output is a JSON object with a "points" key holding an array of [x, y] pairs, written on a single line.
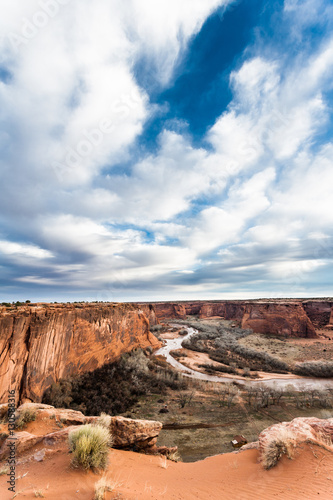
{"points": [[86, 212]]}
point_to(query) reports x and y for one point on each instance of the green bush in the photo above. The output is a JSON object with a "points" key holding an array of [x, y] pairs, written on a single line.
{"points": [[90, 446]]}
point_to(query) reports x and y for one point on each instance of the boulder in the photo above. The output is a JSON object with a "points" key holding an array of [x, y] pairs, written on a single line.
{"points": [[70, 417], [23, 442], [137, 434]]}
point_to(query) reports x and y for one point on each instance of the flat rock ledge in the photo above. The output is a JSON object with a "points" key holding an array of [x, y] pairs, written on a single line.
{"points": [[127, 433]]}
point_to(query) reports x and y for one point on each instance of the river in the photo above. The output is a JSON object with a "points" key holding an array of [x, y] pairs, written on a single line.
{"points": [[299, 383]]}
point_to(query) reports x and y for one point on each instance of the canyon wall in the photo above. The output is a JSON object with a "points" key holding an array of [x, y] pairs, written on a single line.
{"points": [[289, 318], [319, 312], [286, 319], [40, 345]]}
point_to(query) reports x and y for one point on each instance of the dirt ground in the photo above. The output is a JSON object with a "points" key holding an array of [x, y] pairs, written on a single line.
{"points": [[291, 350], [205, 427]]}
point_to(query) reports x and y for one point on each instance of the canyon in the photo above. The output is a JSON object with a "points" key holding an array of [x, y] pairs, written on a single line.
{"points": [[43, 343], [289, 318], [40, 344]]}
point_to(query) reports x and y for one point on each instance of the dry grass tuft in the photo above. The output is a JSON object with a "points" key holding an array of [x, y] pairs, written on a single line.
{"points": [[101, 487], [284, 444], [90, 446], [25, 416], [174, 456], [39, 494], [104, 420]]}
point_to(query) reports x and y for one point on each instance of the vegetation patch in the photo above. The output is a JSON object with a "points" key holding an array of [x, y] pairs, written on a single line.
{"points": [[221, 343], [315, 369], [284, 444], [115, 387], [90, 446], [24, 417]]}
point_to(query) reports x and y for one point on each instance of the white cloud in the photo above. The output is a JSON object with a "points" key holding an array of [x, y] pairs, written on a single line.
{"points": [[260, 193], [17, 250], [164, 28], [217, 226]]}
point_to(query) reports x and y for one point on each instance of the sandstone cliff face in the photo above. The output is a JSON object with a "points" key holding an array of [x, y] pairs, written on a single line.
{"points": [[287, 318], [319, 312], [150, 313], [40, 345], [168, 310]]}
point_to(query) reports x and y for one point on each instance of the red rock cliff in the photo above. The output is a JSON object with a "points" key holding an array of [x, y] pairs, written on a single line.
{"points": [[39, 345], [319, 312], [275, 317], [169, 310], [287, 319]]}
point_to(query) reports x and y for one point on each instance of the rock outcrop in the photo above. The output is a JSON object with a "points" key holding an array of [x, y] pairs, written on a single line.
{"points": [[168, 310], [289, 319], [66, 416], [319, 312], [286, 437], [41, 344], [272, 317], [139, 434], [127, 433]]}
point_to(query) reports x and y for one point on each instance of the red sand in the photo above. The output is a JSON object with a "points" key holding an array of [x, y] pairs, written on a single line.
{"points": [[135, 476]]}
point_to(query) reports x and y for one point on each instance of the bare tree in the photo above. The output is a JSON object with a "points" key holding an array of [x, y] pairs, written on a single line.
{"points": [[185, 398]]}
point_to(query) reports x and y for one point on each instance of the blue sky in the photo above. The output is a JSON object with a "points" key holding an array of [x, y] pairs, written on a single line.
{"points": [[166, 150]]}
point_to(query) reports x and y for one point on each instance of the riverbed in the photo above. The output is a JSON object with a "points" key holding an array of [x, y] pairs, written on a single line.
{"points": [[277, 381]]}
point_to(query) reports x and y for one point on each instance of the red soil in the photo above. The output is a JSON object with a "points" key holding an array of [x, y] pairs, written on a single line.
{"points": [[134, 476]]}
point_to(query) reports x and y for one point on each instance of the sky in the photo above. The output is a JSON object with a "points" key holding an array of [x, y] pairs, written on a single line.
{"points": [[166, 150]]}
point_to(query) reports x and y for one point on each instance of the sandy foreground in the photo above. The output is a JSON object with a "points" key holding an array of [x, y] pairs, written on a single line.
{"points": [[137, 476]]}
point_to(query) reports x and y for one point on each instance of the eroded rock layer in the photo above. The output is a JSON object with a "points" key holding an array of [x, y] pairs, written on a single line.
{"points": [[289, 318], [40, 345]]}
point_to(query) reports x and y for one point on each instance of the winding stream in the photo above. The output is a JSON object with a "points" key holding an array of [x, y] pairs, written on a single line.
{"points": [[297, 382]]}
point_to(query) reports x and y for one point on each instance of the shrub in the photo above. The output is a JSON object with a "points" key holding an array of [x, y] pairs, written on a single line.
{"points": [[315, 369], [218, 368], [24, 417], [90, 446], [185, 398], [156, 328], [115, 388]]}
